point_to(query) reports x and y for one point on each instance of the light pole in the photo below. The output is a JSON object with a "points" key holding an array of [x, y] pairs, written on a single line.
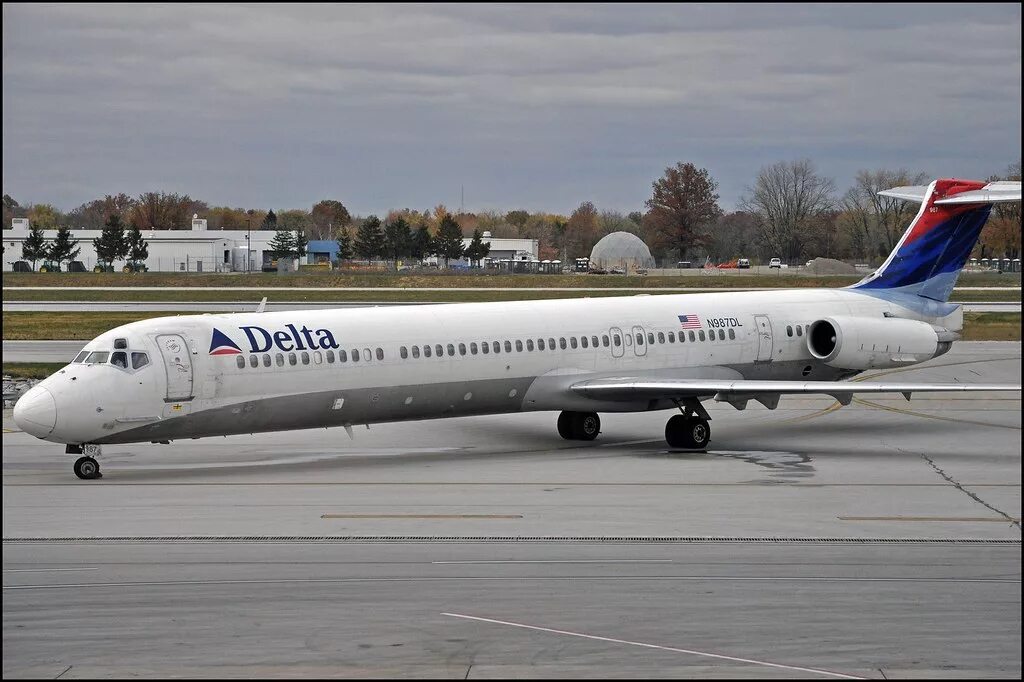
{"points": [[248, 243]]}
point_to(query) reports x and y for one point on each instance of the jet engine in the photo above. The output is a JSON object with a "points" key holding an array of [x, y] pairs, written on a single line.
{"points": [[874, 343]]}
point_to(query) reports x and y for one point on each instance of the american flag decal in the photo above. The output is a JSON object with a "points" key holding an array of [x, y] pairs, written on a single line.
{"points": [[689, 321]]}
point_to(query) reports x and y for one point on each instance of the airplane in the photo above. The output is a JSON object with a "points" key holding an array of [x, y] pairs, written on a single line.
{"points": [[197, 376]]}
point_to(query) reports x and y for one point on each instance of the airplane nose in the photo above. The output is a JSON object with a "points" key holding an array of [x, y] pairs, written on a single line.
{"points": [[36, 412]]}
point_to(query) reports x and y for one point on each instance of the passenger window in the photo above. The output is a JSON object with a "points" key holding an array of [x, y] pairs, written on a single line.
{"points": [[650, 337], [604, 340], [403, 352], [572, 342], [80, 357], [561, 343], [519, 346], [415, 351], [639, 339], [367, 355], [462, 349], [254, 361], [508, 346], [240, 361], [584, 342], [540, 344], [292, 359], [732, 333], [139, 360], [473, 348], [439, 350], [789, 330], [451, 349], [305, 358], [721, 335], [266, 359], [355, 355], [330, 357], [690, 333], [551, 343], [426, 350], [496, 346], [120, 344], [618, 341], [380, 353], [661, 337], [671, 337], [119, 359], [529, 345], [701, 334], [628, 338], [97, 357], [280, 360], [799, 330], [485, 347], [343, 356]]}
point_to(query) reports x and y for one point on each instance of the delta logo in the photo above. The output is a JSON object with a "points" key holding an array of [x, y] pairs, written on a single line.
{"points": [[220, 344], [262, 340]]}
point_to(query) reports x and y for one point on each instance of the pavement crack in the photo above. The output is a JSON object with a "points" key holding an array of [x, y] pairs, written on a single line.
{"points": [[882, 673], [62, 674], [466, 676], [965, 491]]}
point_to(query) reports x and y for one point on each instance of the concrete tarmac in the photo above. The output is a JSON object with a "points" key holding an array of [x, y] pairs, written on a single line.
{"points": [[880, 539]]}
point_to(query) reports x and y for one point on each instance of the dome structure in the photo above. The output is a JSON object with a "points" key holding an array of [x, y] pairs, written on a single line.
{"points": [[621, 250]]}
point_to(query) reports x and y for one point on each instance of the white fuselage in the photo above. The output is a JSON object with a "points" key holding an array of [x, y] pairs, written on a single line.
{"points": [[282, 377]]}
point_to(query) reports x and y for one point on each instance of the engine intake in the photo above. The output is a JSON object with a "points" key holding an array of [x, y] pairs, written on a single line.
{"points": [[871, 343]]}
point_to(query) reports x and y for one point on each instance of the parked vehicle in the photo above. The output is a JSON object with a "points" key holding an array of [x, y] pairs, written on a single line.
{"points": [[775, 263], [743, 264]]}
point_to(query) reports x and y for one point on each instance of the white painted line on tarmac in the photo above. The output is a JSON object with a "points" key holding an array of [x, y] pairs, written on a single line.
{"points": [[39, 570], [707, 654], [561, 561]]}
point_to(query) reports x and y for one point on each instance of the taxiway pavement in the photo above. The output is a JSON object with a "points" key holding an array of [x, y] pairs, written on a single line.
{"points": [[875, 540]]}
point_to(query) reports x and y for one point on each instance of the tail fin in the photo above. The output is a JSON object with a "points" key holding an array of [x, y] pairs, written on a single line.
{"points": [[933, 250]]}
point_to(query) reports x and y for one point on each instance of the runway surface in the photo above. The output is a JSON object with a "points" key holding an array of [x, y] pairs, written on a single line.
{"points": [[249, 306], [880, 539]]}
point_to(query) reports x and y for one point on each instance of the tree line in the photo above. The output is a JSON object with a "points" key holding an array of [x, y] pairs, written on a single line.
{"points": [[790, 211]]}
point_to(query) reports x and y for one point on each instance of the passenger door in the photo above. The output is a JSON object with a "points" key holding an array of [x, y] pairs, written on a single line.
{"points": [[178, 365], [764, 338]]}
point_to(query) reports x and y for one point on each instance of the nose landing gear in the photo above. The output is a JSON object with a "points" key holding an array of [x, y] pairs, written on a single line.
{"points": [[86, 467]]}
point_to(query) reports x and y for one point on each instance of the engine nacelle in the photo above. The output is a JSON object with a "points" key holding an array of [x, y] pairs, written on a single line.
{"points": [[872, 343]]}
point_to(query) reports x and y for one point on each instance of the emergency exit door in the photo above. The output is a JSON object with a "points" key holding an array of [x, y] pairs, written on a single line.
{"points": [[764, 338]]}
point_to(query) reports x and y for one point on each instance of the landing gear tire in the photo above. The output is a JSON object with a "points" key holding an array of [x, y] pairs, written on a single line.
{"points": [[690, 433], [87, 468], [579, 425]]}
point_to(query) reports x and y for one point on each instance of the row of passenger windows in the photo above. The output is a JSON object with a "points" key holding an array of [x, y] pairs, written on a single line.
{"points": [[799, 330], [305, 357], [484, 347]]}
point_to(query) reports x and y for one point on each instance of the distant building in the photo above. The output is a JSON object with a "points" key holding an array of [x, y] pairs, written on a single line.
{"points": [[195, 250], [621, 250], [320, 251]]}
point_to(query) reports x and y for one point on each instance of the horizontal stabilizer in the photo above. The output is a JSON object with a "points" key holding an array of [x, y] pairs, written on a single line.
{"points": [[992, 193]]}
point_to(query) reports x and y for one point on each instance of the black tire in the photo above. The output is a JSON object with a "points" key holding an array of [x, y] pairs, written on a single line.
{"points": [[87, 468], [586, 425], [689, 434], [565, 422]]}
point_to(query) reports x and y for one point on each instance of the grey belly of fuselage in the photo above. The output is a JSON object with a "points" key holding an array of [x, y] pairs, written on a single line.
{"points": [[434, 401], [338, 408]]}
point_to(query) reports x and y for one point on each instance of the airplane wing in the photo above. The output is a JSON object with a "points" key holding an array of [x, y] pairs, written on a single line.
{"points": [[738, 391], [906, 193], [992, 193]]}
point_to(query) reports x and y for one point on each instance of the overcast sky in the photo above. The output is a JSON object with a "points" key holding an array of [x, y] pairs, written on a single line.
{"points": [[536, 107]]}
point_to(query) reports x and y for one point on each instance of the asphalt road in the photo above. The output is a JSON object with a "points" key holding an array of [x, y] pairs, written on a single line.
{"points": [[487, 547]]}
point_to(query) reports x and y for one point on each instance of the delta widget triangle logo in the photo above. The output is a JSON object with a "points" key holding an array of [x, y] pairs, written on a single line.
{"points": [[220, 344]]}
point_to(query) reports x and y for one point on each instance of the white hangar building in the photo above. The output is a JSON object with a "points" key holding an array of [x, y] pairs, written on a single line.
{"points": [[195, 250]]}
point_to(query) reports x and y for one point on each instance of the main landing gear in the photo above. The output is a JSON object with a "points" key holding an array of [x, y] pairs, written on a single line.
{"points": [[579, 425], [86, 467], [689, 430]]}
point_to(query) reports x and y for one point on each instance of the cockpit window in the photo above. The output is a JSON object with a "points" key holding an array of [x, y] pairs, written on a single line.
{"points": [[97, 357], [81, 356], [120, 344], [119, 359], [139, 360]]}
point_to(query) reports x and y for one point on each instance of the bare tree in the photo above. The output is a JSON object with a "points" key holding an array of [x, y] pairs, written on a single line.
{"points": [[785, 201], [875, 223]]}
